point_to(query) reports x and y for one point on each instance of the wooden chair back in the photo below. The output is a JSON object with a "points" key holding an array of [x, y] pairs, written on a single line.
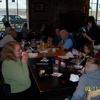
{"points": [[92, 94]]}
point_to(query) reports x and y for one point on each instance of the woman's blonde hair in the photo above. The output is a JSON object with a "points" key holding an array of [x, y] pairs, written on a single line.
{"points": [[7, 52]]}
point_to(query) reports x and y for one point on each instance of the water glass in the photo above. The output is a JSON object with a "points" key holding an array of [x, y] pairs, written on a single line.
{"points": [[55, 68]]}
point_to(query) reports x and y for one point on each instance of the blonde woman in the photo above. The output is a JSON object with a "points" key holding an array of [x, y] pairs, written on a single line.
{"points": [[15, 70]]}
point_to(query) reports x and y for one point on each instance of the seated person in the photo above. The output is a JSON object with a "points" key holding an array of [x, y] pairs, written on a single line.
{"points": [[9, 37], [24, 31], [89, 80], [56, 37], [7, 26], [15, 71], [93, 31], [88, 49], [82, 38], [67, 41], [50, 41]]}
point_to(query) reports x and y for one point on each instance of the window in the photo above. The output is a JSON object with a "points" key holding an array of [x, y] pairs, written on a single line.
{"points": [[13, 0], [17, 13], [95, 10]]}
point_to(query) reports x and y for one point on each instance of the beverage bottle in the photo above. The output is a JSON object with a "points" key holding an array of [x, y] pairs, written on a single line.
{"points": [[62, 63], [56, 65], [23, 44]]}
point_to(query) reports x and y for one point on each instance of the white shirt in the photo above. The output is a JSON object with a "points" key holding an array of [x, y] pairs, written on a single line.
{"points": [[6, 39]]}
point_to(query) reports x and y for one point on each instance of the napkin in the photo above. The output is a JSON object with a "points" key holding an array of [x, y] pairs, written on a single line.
{"points": [[97, 47], [74, 78], [56, 74], [78, 66], [44, 59], [69, 55], [32, 55]]}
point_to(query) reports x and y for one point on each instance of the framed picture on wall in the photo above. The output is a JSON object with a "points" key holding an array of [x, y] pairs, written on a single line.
{"points": [[39, 7]]}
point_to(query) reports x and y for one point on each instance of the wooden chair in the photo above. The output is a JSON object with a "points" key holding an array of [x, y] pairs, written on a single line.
{"points": [[93, 94]]}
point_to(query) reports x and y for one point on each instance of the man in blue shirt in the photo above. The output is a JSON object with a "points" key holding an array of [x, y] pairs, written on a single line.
{"points": [[89, 81], [66, 42]]}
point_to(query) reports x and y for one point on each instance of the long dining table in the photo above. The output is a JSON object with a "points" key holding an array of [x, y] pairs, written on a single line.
{"points": [[49, 84]]}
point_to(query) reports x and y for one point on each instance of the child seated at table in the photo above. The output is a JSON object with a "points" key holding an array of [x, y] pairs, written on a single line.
{"points": [[88, 49]]}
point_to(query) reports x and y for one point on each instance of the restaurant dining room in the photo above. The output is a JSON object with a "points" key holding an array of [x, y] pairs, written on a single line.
{"points": [[49, 49]]}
